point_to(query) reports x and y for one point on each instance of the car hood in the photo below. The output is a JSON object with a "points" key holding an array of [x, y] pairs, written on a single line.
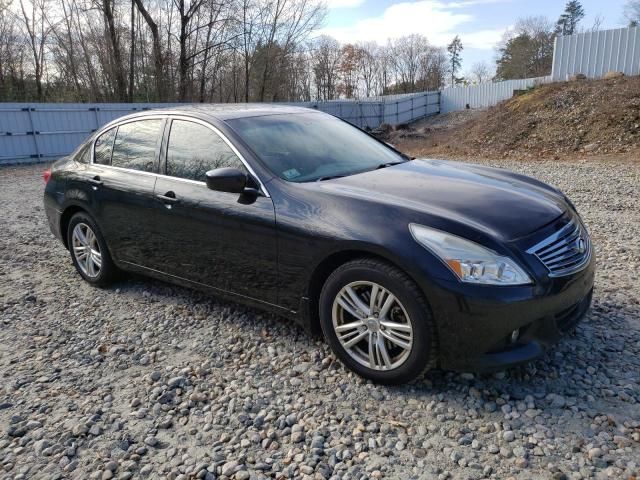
{"points": [[495, 201]]}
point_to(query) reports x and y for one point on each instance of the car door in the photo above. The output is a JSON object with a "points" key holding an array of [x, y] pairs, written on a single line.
{"points": [[122, 177], [223, 240]]}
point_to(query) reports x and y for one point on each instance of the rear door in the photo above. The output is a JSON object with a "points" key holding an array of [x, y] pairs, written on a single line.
{"points": [[220, 239], [122, 177]]}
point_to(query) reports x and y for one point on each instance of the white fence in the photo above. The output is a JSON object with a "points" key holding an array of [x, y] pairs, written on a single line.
{"points": [[596, 53], [484, 94], [41, 131], [591, 53], [371, 113]]}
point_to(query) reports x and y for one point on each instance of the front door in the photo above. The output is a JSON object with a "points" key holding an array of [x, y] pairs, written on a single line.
{"points": [[219, 239]]}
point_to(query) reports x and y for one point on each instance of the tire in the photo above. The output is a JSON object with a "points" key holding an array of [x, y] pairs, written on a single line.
{"points": [[404, 330], [104, 271]]}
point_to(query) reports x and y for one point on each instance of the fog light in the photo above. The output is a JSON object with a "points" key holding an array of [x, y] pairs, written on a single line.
{"points": [[515, 335]]}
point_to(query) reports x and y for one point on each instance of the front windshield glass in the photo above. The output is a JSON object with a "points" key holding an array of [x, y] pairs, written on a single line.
{"points": [[307, 147]]}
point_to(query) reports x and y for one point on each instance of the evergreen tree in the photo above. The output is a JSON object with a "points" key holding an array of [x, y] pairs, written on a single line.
{"points": [[527, 50], [455, 59], [568, 22]]}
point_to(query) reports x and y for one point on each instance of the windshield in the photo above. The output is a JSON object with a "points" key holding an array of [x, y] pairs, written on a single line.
{"points": [[307, 147]]}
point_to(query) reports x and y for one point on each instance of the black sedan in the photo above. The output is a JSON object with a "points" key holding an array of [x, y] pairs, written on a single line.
{"points": [[402, 264]]}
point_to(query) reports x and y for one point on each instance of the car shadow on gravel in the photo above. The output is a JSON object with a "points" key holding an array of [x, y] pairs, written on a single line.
{"points": [[158, 291], [577, 369]]}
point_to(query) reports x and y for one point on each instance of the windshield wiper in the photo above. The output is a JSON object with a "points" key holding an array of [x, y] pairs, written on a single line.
{"points": [[329, 177], [388, 164], [382, 165]]}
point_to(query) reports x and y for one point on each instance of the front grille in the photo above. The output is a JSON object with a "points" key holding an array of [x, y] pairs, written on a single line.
{"points": [[566, 251]]}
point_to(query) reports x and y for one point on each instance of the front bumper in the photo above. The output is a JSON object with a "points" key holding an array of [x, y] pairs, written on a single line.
{"points": [[533, 340], [475, 324]]}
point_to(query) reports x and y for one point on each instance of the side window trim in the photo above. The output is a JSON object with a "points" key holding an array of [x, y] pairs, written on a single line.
{"points": [[165, 148], [116, 126]]}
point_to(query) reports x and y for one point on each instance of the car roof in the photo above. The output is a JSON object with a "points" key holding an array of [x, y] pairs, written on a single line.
{"points": [[227, 111]]}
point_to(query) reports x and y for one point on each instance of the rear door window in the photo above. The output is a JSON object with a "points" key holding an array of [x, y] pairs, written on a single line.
{"points": [[103, 147], [195, 149], [135, 145]]}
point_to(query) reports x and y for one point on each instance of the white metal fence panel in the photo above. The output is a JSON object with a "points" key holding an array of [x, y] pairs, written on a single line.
{"points": [[29, 132], [41, 131], [596, 53], [371, 113], [485, 94]]}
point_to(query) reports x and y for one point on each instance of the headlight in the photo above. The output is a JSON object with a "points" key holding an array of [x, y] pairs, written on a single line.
{"points": [[470, 262]]}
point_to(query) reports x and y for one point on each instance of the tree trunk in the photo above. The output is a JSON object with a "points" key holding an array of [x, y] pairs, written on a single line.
{"points": [[158, 62], [183, 62], [132, 51], [121, 84]]}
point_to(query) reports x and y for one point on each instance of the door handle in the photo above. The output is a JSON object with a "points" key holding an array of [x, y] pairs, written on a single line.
{"points": [[168, 197], [95, 181]]}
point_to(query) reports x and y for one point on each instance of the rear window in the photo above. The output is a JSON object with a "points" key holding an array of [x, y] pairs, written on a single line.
{"points": [[84, 154], [135, 145], [103, 146]]}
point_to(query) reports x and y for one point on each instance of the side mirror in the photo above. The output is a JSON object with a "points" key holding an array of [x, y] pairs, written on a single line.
{"points": [[226, 179]]}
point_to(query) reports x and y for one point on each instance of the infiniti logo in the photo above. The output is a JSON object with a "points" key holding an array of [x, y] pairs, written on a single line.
{"points": [[580, 245]]}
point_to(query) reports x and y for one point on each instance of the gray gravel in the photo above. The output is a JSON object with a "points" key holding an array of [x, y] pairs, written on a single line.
{"points": [[147, 380]]}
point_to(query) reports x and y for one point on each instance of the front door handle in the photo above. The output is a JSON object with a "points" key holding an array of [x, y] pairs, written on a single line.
{"points": [[168, 198]]}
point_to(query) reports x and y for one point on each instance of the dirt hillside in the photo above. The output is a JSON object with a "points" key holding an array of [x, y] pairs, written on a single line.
{"points": [[568, 119]]}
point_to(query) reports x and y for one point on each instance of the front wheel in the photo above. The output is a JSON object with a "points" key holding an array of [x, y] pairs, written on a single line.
{"points": [[377, 322]]}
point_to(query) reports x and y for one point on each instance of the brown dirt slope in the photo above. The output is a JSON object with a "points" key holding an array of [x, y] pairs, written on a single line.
{"points": [[565, 119]]}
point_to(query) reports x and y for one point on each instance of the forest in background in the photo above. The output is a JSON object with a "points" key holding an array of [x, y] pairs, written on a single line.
{"points": [[236, 51]]}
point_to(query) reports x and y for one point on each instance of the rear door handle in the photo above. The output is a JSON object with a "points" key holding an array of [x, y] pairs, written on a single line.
{"points": [[95, 181], [168, 197]]}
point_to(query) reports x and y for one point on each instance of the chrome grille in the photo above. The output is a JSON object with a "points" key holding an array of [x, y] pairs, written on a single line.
{"points": [[566, 251]]}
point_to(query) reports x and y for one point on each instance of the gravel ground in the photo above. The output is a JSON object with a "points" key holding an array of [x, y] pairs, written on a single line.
{"points": [[147, 380]]}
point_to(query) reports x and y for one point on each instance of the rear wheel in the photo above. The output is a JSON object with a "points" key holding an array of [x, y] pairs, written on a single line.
{"points": [[377, 322], [89, 251]]}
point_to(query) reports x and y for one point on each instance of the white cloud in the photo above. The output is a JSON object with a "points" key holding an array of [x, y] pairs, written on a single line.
{"points": [[482, 39], [471, 3], [436, 20], [334, 4]]}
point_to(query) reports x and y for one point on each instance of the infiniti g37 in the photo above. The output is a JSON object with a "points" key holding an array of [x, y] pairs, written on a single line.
{"points": [[402, 264]]}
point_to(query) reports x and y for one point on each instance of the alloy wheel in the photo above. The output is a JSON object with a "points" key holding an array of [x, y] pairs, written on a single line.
{"points": [[86, 250], [372, 325]]}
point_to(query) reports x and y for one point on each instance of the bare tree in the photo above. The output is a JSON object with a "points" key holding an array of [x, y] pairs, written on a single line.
{"points": [[286, 22], [480, 72], [38, 30], [158, 60], [368, 66], [197, 50], [120, 90], [406, 53], [326, 68]]}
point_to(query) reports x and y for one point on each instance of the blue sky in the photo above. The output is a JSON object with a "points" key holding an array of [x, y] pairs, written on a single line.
{"points": [[480, 23]]}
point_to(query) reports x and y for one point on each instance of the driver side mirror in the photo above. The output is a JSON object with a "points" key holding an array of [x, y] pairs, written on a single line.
{"points": [[226, 179]]}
